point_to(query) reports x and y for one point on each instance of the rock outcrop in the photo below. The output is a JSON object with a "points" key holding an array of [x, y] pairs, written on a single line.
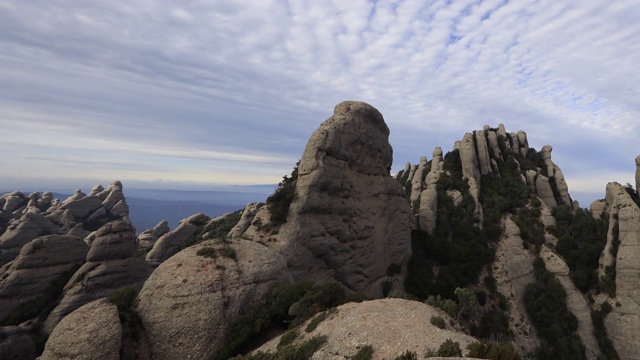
{"points": [[28, 281], [15, 344], [576, 302], [189, 301], [91, 332], [349, 219], [109, 266], [390, 326], [513, 270], [622, 254], [173, 241]]}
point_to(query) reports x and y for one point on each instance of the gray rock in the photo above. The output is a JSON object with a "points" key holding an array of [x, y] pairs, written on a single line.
{"points": [[484, 162], [81, 208], [92, 332], [95, 280], [113, 241], [427, 215], [173, 241], [436, 162], [417, 181], [15, 344], [350, 220], [515, 144], [21, 232], [203, 296], [544, 191], [469, 158], [494, 146], [248, 214], [14, 201], [41, 262], [524, 143]]}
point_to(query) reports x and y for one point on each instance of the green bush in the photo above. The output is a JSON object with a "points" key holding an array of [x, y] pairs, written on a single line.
{"points": [[302, 351], [438, 322], [365, 353], [493, 351], [207, 251], [545, 301], [288, 338], [280, 201], [449, 348], [228, 251], [407, 355], [318, 319]]}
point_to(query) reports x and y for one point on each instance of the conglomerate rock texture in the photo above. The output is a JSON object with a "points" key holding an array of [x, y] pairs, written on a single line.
{"points": [[349, 220]]}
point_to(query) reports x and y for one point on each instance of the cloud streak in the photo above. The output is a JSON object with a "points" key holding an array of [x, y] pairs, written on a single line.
{"points": [[240, 85]]}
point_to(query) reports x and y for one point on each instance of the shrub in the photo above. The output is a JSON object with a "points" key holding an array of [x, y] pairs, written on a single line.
{"points": [[447, 305], [318, 319], [449, 348], [207, 251], [365, 353], [438, 322], [407, 355], [493, 351], [228, 251], [288, 338], [280, 201]]}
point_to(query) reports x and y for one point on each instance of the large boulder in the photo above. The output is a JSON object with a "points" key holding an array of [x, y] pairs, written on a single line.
{"points": [[173, 241], [349, 219], [92, 332], [189, 301], [43, 262], [390, 326]]}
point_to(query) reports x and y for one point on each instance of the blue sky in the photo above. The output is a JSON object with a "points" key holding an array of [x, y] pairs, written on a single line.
{"points": [[195, 94]]}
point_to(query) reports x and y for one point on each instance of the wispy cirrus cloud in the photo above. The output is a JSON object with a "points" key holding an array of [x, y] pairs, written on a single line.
{"points": [[242, 84]]}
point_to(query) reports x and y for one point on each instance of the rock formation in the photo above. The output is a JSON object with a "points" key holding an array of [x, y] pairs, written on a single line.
{"points": [[622, 253], [172, 242], [109, 266], [349, 219], [389, 326], [91, 332], [43, 261], [189, 301]]}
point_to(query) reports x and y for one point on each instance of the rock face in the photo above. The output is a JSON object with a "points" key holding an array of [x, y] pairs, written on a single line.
{"points": [[513, 270], [576, 302], [15, 344], [349, 220], [173, 241], [78, 215], [109, 266], [91, 332], [389, 326], [41, 262], [624, 229], [189, 301]]}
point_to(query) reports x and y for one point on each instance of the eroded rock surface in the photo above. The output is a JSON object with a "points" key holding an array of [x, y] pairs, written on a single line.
{"points": [[390, 326], [92, 332], [349, 220], [189, 301]]}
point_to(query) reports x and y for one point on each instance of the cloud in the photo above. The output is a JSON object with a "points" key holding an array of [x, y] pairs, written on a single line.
{"points": [[236, 84]]}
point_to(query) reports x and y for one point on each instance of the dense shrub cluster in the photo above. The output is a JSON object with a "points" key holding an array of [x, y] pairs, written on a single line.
{"points": [[493, 351], [285, 305], [581, 239], [545, 301], [607, 350], [302, 351], [280, 201], [124, 300], [448, 348]]}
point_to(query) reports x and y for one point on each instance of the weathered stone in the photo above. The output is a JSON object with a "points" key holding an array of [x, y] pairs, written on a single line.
{"points": [[349, 220], [21, 232], [427, 215], [113, 241], [494, 146], [469, 158], [390, 326], [15, 344], [92, 332], [513, 270], [436, 162], [81, 208], [524, 143], [171, 242], [14, 201], [417, 181], [41, 262], [638, 173], [515, 144], [576, 303], [95, 280], [203, 295], [544, 191], [248, 214], [484, 162]]}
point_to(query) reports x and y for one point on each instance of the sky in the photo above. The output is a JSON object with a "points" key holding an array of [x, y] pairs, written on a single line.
{"points": [[202, 94]]}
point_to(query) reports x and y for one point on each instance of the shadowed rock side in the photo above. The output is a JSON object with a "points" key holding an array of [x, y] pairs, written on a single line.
{"points": [[349, 220]]}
